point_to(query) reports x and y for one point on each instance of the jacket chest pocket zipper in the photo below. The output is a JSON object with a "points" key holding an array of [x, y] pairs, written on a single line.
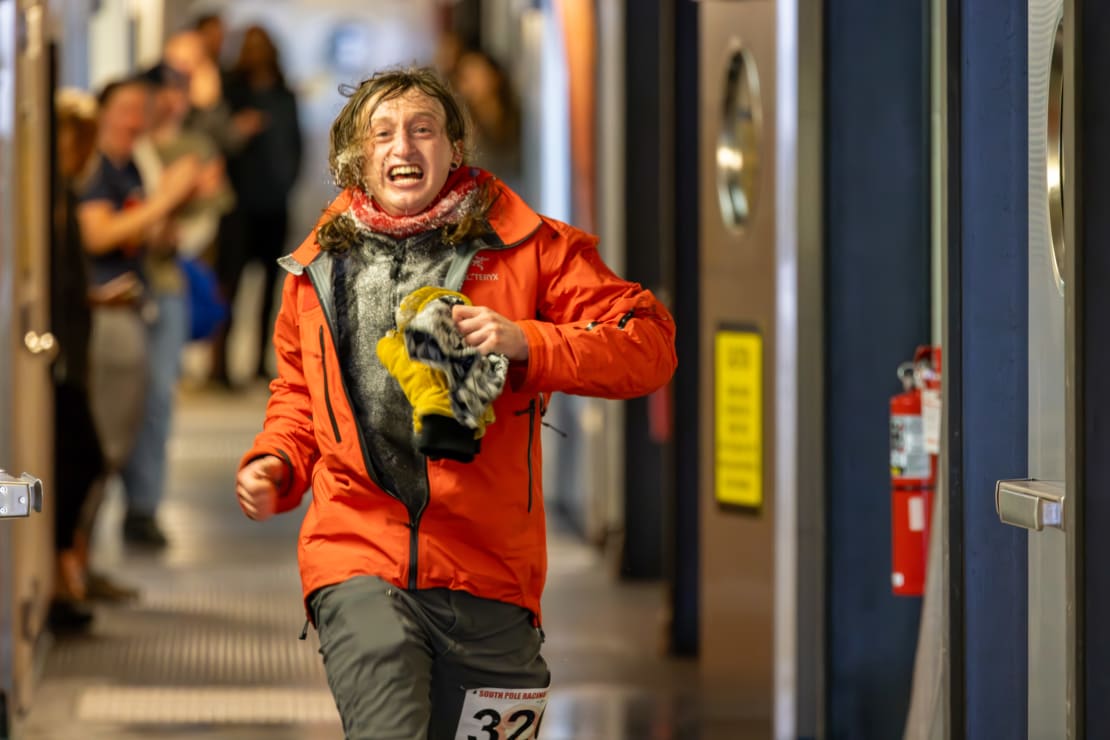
{"points": [[531, 411], [327, 391]]}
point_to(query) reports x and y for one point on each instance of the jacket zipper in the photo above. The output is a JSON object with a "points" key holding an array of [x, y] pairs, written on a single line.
{"points": [[327, 392], [531, 411], [620, 324], [414, 529]]}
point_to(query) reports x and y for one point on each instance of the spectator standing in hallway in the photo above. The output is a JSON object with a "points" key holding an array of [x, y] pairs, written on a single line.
{"points": [[78, 460], [212, 31], [196, 55], [489, 98], [191, 225], [197, 221], [120, 222], [263, 174], [190, 53], [449, 49], [423, 327]]}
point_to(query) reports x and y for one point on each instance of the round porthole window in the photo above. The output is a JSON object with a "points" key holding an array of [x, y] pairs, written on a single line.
{"points": [[739, 140], [1055, 157]]}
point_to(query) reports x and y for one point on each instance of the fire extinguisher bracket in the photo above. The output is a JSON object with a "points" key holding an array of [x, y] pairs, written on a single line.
{"points": [[1030, 504]]}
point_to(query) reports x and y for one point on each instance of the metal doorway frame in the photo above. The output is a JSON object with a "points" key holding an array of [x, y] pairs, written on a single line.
{"points": [[1091, 171], [951, 463], [8, 52]]}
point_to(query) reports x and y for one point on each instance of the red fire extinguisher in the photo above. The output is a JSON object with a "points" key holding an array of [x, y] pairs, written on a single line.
{"points": [[914, 449]]}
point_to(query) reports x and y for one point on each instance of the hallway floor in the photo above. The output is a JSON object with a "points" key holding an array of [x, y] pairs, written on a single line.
{"points": [[210, 649]]}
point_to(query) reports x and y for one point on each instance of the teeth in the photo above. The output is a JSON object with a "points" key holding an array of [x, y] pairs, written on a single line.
{"points": [[405, 171]]}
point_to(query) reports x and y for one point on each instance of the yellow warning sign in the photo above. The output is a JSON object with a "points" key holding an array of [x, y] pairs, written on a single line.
{"points": [[738, 405]]}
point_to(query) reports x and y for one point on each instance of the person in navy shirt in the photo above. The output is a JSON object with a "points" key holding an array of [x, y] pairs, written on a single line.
{"points": [[120, 222]]}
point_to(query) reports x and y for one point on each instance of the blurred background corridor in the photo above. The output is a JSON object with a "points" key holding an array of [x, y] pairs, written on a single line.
{"points": [[867, 506]]}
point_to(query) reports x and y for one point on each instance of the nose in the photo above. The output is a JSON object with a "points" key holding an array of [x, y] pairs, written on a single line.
{"points": [[402, 143]]}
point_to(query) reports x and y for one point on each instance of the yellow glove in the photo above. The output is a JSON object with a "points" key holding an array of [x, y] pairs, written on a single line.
{"points": [[437, 434], [425, 387]]}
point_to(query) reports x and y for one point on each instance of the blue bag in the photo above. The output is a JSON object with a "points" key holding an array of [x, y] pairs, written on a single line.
{"points": [[207, 307]]}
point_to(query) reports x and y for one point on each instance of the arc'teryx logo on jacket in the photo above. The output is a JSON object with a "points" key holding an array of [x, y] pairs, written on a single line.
{"points": [[478, 267]]}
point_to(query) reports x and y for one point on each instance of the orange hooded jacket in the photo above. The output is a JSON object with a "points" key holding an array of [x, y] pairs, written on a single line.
{"points": [[482, 528]]}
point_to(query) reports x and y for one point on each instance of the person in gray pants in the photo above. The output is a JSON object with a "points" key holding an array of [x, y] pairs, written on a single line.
{"points": [[423, 327]]}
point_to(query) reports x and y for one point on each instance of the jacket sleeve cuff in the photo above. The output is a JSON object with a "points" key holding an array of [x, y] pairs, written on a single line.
{"points": [[527, 378]]}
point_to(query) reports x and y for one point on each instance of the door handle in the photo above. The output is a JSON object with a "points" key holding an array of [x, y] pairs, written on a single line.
{"points": [[41, 344], [1031, 504], [19, 495]]}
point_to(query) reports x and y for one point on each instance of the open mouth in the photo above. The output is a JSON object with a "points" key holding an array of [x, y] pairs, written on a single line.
{"points": [[405, 173]]}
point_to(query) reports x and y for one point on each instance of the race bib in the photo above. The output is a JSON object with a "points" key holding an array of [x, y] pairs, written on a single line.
{"points": [[501, 714]]}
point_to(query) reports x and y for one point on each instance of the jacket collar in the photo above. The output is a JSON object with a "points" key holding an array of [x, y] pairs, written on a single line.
{"points": [[510, 218]]}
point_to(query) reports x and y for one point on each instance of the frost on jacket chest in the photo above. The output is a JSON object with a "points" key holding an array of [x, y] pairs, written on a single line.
{"points": [[369, 282]]}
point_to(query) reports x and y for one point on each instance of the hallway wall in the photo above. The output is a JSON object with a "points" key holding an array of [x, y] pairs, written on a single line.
{"points": [[877, 287]]}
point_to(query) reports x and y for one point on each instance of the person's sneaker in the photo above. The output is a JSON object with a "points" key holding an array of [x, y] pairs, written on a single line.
{"points": [[102, 588], [142, 529]]}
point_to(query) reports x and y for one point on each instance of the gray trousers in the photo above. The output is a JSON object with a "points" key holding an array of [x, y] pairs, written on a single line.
{"points": [[119, 373], [401, 664]]}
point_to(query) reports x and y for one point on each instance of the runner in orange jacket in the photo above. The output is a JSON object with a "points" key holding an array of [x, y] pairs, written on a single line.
{"points": [[423, 573]]}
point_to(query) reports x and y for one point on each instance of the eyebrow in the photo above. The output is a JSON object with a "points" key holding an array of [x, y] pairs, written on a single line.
{"points": [[387, 118]]}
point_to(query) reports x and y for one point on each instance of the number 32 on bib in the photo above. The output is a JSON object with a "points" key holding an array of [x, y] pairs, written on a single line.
{"points": [[501, 714]]}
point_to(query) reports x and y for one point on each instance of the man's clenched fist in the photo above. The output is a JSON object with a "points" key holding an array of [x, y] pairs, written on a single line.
{"points": [[257, 486]]}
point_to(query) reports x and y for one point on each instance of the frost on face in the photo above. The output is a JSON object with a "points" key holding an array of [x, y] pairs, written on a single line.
{"points": [[348, 168]]}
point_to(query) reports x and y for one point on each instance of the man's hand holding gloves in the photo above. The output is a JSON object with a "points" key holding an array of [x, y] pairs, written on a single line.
{"points": [[450, 384]]}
